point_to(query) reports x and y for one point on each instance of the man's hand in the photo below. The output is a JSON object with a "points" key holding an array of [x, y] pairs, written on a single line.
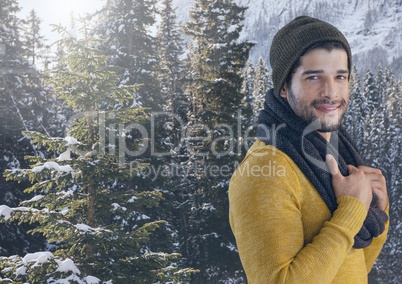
{"points": [[378, 185], [357, 184]]}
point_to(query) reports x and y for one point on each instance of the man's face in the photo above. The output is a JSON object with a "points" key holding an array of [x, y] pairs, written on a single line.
{"points": [[319, 88]]}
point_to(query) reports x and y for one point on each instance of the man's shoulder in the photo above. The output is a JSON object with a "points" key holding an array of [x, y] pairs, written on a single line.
{"points": [[260, 152], [268, 161]]}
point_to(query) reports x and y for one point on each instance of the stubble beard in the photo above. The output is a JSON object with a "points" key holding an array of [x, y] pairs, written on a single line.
{"points": [[307, 114]]}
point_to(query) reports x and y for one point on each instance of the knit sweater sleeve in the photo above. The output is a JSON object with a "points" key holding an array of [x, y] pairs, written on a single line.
{"points": [[265, 216]]}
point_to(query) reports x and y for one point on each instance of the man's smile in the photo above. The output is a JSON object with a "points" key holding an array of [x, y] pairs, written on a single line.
{"points": [[327, 106]]}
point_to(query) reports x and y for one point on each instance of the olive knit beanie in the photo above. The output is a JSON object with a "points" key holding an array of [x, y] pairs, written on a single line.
{"points": [[292, 40]]}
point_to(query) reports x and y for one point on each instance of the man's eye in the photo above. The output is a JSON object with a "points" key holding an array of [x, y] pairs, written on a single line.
{"points": [[342, 77], [312, 78]]}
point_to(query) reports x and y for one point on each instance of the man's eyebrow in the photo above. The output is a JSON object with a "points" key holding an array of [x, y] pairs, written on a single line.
{"points": [[308, 72]]}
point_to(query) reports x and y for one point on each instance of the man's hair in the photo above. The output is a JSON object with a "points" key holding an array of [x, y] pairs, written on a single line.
{"points": [[327, 45]]}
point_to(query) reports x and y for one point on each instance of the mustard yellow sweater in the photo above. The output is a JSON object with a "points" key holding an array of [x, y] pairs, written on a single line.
{"points": [[284, 230]]}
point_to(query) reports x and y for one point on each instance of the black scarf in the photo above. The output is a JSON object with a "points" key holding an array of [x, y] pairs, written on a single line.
{"points": [[279, 126]]}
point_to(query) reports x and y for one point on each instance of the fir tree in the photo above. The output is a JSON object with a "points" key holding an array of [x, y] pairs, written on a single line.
{"points": [[263, 84], [34, 41], [24, 107], [169, 51], [355, 119], [170, 69], [247, 104], [126, 27], [351, 114], [371, 93], [374, 88], [381, 82], [389, 99], [389, 123], [213, 87], [248, 76], [96, 224], [168, 124]]}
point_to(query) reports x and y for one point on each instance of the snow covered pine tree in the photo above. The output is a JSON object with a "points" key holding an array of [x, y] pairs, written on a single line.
{"points": [[96, 225]]}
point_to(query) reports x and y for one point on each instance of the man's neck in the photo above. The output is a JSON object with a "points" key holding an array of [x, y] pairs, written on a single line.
{"points": [[326, 135]]}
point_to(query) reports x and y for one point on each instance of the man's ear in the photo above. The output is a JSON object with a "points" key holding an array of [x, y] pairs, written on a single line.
{"points": [[284, 91]]}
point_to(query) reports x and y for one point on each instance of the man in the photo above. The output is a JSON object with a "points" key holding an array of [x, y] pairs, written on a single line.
{"points": [[318, 215]]}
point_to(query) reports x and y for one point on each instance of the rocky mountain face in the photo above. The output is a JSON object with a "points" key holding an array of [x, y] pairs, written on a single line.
{"points": [[373, 27]]}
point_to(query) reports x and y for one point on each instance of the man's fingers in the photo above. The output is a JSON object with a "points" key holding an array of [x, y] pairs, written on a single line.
{"points": [[332, 164], [379, 192], [383, 200], [377, 184], [376, 177], [352, 169], [370, 170]]}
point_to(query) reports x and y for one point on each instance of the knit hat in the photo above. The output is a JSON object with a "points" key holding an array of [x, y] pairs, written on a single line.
{"points": [[292, 40]]}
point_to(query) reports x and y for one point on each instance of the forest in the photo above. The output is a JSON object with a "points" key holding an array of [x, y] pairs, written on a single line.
{"points": [[117, 144]]}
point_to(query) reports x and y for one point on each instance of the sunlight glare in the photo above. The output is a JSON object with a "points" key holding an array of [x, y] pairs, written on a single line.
{"points": [[75, 7]]}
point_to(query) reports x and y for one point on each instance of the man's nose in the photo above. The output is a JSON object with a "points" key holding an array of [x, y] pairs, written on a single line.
{"points": [[329, 89]]}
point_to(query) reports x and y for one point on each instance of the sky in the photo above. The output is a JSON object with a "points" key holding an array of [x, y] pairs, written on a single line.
{"points": [[58, 12]]}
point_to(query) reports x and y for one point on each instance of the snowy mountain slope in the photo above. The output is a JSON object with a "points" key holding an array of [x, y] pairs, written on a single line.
{"points": [[373, 27]]}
